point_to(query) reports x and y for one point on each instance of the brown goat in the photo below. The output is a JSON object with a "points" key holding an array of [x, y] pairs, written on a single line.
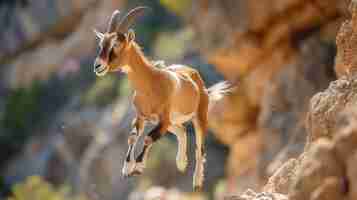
{"points": [[168, 96]]}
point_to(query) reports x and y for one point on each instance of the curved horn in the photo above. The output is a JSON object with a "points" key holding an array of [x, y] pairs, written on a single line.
{"points": [[129, 19], [113, 21]]}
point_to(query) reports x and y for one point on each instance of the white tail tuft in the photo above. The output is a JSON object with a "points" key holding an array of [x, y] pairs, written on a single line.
{"points": [[218, 91]]}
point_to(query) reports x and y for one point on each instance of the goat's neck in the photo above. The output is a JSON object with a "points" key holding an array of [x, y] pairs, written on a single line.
{"points": [[142, 74]]}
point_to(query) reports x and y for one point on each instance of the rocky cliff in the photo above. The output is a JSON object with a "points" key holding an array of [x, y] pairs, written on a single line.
{"points": [[325, 170], [279, 54]]}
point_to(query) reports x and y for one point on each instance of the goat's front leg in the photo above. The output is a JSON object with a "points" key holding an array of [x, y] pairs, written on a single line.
{"points": [[138, 129], [151, 138]]}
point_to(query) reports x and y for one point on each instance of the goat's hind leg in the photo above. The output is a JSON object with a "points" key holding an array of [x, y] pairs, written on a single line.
{"points": [[181, 157], [200, 122], [198, 175]]}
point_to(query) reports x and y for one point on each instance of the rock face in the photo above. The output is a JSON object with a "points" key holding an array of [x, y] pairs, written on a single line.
{"points": [[347, 44], [45, 45], [285, 102], [326, 170], [251, 195], [26, 26], [258, 33], [280, 53], [326, 106]]}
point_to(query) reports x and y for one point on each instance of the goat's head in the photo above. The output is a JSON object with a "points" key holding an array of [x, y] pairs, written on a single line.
{"points": [[115, 41]]}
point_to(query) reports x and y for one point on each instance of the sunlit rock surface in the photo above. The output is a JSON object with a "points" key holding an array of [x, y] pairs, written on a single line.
{"points": [[326, 168], [279, 54]]}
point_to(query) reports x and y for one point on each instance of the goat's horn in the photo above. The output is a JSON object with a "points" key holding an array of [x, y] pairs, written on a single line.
{"points": [[113, 21], [129, 19]]}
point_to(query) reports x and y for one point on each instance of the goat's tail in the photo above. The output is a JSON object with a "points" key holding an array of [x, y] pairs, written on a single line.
{"points": [[218, 91]]}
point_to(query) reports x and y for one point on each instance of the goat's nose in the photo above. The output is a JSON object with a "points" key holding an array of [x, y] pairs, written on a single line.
{"points": [[96, 64]]}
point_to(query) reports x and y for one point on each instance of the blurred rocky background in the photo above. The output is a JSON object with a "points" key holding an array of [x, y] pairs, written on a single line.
{"points": [[60, 126], [286, 132]]}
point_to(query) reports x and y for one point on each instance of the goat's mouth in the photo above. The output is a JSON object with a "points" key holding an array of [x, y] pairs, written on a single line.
{"points": [[101, 70]]}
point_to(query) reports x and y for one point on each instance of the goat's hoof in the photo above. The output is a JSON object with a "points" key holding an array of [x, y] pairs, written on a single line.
{"points": [[139, 168], [132, 174], [128, 168], [197, 188], [125, 176], [136, 173], [182, 164]]}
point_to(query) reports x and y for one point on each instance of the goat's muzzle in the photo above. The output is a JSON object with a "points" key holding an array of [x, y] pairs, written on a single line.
{"points": [[99, 68]]}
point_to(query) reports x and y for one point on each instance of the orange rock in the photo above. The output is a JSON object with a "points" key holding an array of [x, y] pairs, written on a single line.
{"points": [[244, 153], [352, 174], [280, 182], [261, 44], [227, 124], [346, 61], [331, 188]]}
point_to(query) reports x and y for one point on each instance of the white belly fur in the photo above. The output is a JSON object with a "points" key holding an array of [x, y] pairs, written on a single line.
{"points": [[175, 118], [178, 118]]}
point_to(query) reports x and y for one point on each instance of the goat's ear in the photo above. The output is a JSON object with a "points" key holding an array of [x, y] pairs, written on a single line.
{"points": [[131, 35], [98, 34]]}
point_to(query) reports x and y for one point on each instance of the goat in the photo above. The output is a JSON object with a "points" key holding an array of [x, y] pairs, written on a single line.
{"points": [[167, 96]]}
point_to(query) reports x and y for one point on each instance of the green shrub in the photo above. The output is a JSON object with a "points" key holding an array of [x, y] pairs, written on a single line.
{"points": [[177, 7], [22, 111], [104, 91], [21, 107], [36, 188]]}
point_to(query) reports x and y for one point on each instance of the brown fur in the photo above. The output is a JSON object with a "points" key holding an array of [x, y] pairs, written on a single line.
{"points": [[170, 96]]}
